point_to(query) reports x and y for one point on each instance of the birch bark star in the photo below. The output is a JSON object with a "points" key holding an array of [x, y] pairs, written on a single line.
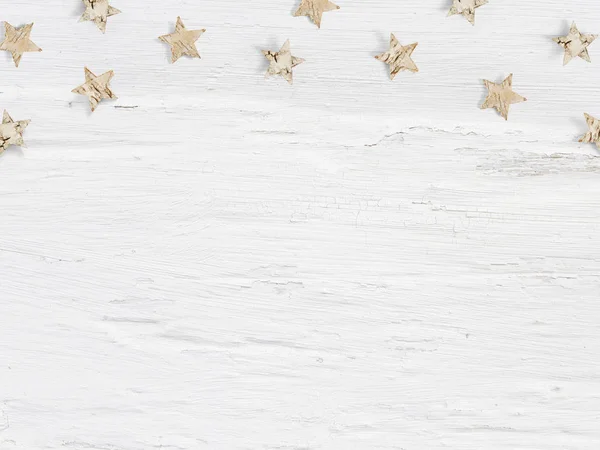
{"points": [[96, 87], [501, 96], [575, 44], [16, 41], [282, 62], [98, 11], [398, 57], [315, 9], [592, 136], [182, 41], [466, 8], [11, 132]]}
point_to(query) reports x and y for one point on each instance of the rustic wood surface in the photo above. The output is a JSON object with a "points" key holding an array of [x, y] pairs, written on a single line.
{"points": [[216, 260]]}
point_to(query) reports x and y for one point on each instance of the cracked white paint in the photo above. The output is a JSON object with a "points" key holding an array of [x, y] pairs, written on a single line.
{"points": [[214, 261]]}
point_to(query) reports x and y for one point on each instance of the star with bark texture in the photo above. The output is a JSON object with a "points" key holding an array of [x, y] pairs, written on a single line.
{"points": [[98, 11], [17, 42], [11, 132], [592, 136], [466, 8], [501, 96], [182, 41], [96, 87], [315, 9], [575, 44], [398, 57], [282, 62]]}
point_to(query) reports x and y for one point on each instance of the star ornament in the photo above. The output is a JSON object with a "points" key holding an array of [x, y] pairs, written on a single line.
{"points": [[466, 8], [16, 41], [182, 41], [11, 132], [96, 87], [282, 62], [575, 44], [398, 57], [315, 9], [98, 11], [501, 96], [592, 136]]}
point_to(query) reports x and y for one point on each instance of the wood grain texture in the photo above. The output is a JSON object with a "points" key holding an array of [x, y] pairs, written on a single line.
{"points": [[222, 261]]}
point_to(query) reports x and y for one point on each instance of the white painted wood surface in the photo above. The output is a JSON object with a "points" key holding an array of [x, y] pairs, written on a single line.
{"points": [[220, 261]]}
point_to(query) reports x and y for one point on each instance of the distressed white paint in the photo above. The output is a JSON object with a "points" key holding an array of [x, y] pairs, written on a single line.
{"points": [[220, 261]]}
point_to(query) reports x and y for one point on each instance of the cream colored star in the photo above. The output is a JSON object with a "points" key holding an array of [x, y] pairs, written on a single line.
{"points": [[182, 41], [592, 136], [282, 62], [98, 11], [501, 96], [96, 87], [315, 9], [11, 132], [17, 42], [575, 44], [398, 57], [466, 8]]}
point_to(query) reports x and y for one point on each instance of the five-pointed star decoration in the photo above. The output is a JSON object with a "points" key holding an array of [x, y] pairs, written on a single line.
{"points": [[466, 8], [282, 62], [96, 87], [11, 132], [16, 41], [182, 41], [315, 9], [501, 96], [592, 136], [98, 11], [575, 44], [398, 57]]}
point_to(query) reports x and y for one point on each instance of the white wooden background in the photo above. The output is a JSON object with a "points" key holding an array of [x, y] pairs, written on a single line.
{"points": [[222, 261]]}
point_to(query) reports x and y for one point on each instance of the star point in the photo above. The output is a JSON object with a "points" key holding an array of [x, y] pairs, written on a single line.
{"points": [[98, 11], [466, 8], [575, 44], [16, 41], [315, 9], [11, 132], [398, 57], [501, 96], [282, 62], [96, 88], [593, 135], [182, 41]]}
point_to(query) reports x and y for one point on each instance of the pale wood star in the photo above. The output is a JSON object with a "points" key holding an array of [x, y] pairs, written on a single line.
{"points": [[592, 136], [501, 96], [11, 132], [466, 8], [315, 9], [16, 41], [96, 87], [575, 44], [282, 62], [98, 11], [398, 57], [182, 41]]}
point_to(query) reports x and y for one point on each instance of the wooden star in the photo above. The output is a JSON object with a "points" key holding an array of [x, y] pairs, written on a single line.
{"points": [[182, 41], [398, 57], [98, 11], [592, 136], [575, 44], [282, 62], [315, 9], [11, 132], [96, 87], [501, 96], [16, 41], [466, 8]]}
